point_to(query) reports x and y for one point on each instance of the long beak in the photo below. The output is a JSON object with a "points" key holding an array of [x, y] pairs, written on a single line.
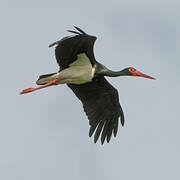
{"points": [[137, 73]]}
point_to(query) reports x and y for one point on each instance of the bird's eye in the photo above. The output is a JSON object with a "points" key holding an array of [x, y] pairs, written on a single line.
{"points": [[132, 69]]}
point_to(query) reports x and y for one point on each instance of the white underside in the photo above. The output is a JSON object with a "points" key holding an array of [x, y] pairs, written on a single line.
{"points": [[79, 72]]}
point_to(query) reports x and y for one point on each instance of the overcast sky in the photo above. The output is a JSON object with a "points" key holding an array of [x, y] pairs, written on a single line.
{"points": [[44, 135]]}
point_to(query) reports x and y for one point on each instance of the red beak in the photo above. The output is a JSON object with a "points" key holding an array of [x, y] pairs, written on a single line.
{"points": [[137, 73]]}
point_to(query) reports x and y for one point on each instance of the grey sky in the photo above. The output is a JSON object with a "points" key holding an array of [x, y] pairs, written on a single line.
{"points": [[44, 135]]}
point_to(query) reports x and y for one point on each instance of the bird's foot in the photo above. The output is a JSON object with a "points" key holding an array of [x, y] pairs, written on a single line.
{"points": [[53, 82], [28, 90]]}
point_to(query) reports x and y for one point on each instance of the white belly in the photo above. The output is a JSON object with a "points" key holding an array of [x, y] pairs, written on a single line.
{"points": [[75, 75], [79, 72]]}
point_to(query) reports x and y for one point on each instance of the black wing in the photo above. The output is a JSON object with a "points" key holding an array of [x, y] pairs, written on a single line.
{"points": [[101, 104], [69, 47]]}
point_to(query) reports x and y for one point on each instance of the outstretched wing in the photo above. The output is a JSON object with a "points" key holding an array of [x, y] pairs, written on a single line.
{"points": [[101, 104], [69, 47]]}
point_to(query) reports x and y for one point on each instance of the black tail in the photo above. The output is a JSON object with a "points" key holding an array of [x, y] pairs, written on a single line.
{"points": [[45, 75], [40, 79]]}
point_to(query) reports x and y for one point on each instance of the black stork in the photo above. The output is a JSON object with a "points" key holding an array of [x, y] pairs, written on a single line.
{"points": [[85, 77]]}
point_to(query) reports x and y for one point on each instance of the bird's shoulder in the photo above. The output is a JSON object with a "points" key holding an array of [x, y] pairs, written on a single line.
{"points": [[68, 48]]}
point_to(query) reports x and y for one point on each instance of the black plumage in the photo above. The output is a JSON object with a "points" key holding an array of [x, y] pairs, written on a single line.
{"points": [[69, 47], [101, 104], [85, 77], [99, 98]]}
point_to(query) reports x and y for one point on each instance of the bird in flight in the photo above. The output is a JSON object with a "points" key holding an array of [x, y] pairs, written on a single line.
{"points": [[85, 77]]}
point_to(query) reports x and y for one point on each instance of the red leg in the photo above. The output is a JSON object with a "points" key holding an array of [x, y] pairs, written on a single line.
{"points": [[53, 82]]}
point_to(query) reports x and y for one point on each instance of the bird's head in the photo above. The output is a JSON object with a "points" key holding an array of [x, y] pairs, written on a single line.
{"points": [[130, 71]]}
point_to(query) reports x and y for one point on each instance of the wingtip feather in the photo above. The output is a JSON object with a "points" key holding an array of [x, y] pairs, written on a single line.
{"points": [[80, 30], [98, 131], [74, 32], [53, 44], [122, 120]]}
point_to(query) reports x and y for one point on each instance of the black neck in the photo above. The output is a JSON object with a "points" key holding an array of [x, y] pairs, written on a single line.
{"points": [[103, 71], [115, 73]]}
